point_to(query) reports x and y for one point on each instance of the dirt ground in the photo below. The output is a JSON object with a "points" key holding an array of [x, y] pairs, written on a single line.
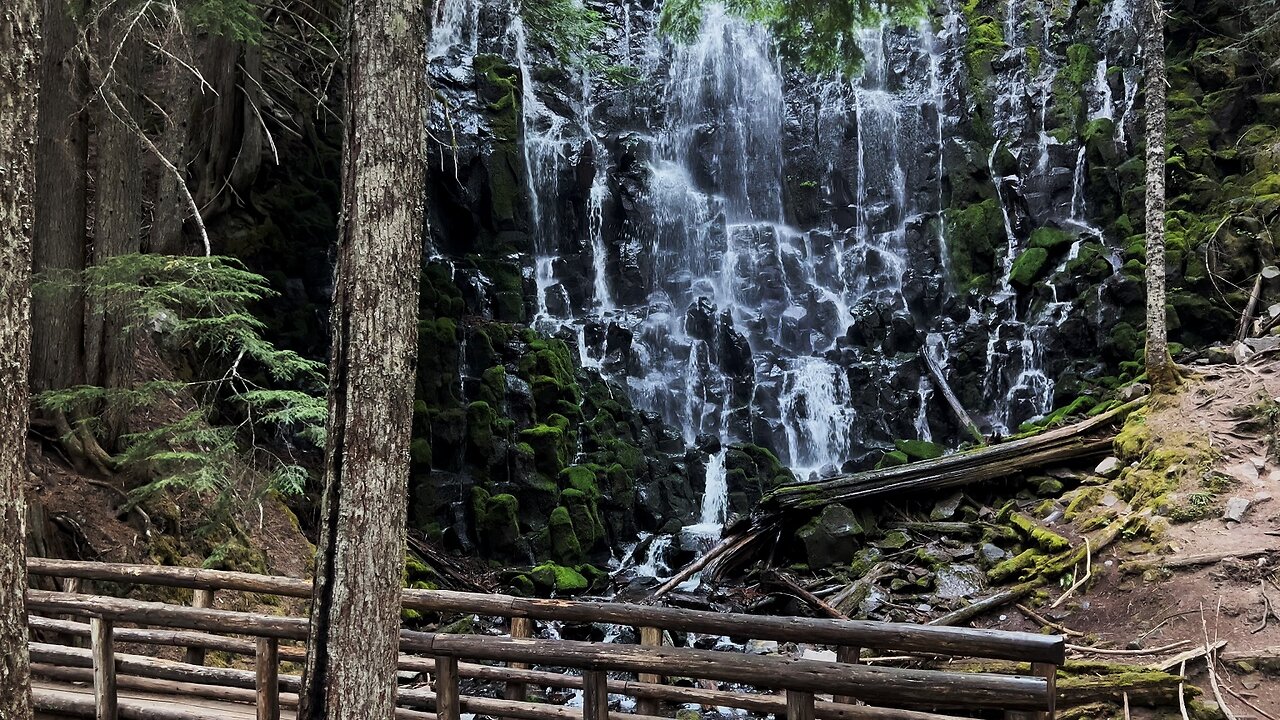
{"points": [[1236, 600]]}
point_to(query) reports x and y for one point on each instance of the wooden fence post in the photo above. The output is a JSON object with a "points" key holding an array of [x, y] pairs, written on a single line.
{"points": [[1049, 672], [447, 688], [595, 695], [267, 683], [199, 599], [104, 668], [521, 627], [650, 637], [852, 656], [799, 705]]}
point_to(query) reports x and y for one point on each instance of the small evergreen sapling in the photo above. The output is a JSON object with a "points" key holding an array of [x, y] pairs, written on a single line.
{"points": [[240, 384]]}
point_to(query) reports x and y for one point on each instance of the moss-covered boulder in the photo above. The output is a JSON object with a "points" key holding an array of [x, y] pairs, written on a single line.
{"points": [[919, 449], [831, 537], [563, 538], [1027, 267], [553, 578]]}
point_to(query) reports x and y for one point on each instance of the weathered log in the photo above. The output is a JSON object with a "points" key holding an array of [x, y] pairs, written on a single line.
{"points": [[1141, 565], [200, 598], [178, 638], [157, 685], [176, 616], [1009, 458], [814, 601], [940, 382], [872, 684], [144, 666], [938, 528]]}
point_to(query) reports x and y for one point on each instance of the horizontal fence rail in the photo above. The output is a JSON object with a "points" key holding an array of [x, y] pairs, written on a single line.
{"points": [[966, 642], [445, 656]]}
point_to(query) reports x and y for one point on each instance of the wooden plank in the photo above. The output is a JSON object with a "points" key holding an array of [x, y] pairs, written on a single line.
{"points": [[649, 637], [267, 680], [447, 695], [848, 655], [200, 598], [799, 705], [102, 651], [883, 685], [521, 627], [883, 636], [595, 695]]}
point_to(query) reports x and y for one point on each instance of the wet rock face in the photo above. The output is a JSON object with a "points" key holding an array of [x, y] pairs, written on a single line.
{"points": [[735, 253]]}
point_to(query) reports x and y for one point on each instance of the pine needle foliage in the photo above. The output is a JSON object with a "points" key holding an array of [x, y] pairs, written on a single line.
{"points": [[570, 30], [818, 36], [243, 386]]}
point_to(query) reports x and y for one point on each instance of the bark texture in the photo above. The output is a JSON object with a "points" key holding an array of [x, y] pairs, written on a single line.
{"points": [[58, 245], [19, 84], [351, 660], [116, 68], [1161, 372]]}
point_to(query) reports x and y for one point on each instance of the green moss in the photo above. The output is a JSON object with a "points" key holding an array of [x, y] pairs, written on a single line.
{"points": [[551, 577], [550, 447], [581, 479], [919, 449], [1018, 565], [565, 547], [585, 516], [420, 452], [1042, 538], [974, 236], [480, 420], [1134, 439], [893, 459], [1026, 268], [1050, 238]]}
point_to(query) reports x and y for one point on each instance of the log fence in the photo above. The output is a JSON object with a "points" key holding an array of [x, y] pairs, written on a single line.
{"points": [[891, 693]]}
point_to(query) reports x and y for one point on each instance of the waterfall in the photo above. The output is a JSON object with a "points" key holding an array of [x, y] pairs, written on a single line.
{"points": [[665, 214]]}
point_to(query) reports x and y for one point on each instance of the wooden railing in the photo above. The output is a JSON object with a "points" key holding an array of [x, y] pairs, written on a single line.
{"points": [[446, 657]]}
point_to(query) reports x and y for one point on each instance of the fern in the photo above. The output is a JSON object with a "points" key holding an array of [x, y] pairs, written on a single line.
{"points": [[200, 306]]}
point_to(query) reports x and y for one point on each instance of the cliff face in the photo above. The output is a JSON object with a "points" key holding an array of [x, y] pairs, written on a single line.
{"points": [[657, 280]]}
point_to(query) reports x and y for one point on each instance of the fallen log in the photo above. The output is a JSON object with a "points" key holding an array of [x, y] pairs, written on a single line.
{"points": [[1084, 439], [940, 382], [1141, 565]]}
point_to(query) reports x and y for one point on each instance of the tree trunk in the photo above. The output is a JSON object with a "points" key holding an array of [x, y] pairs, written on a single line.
{"points": [[352, 648], [117, 202], [1161, 372], [58, 245], [19, 86]]}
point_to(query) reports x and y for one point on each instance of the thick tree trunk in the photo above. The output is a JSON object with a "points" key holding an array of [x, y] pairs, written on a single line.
{"points": [[117, 202], [1161, 372], [355, 621], [58, 244], [19, 85]]}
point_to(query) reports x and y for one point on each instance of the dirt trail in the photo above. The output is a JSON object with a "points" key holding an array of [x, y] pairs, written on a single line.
{"points": [[1225, 600]]}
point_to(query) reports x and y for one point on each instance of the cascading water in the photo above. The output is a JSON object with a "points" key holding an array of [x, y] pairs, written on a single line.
{"points": [[733, 242]]}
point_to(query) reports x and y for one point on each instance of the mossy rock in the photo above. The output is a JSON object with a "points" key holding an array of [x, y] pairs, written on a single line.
{"points": [[1027, 267], [480, 421], [1050, 238], [586, 518], [919, 449], [565, 547], [975, 234], [550, 577], [893, 459], [550, 447], [1016, 566]]}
